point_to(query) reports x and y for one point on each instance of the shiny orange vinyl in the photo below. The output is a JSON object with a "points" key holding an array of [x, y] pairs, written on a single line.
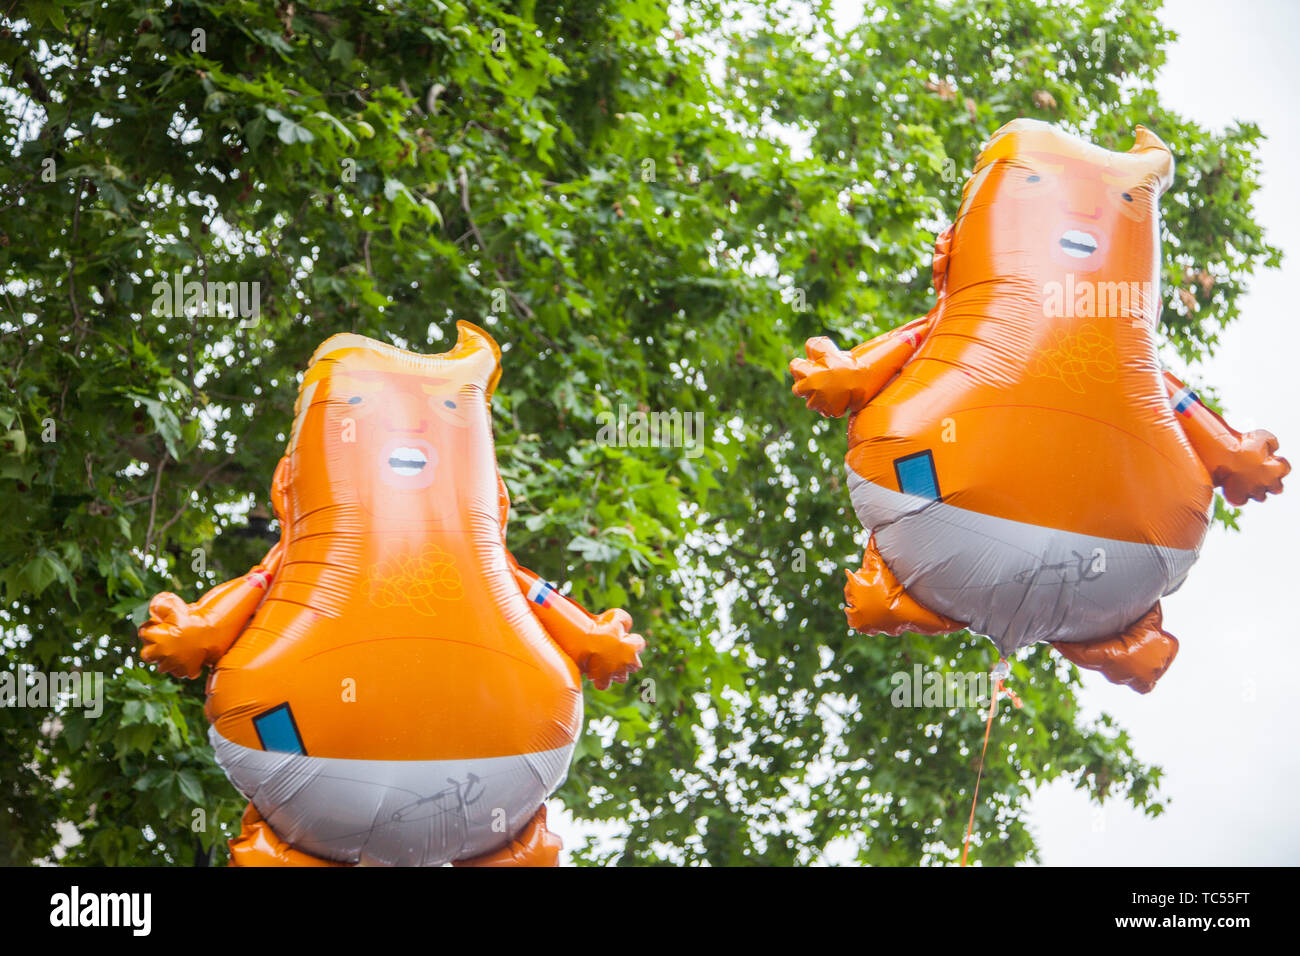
{"points": [[389, 678], [1023, 461], [1040, 403], [388, 594]]}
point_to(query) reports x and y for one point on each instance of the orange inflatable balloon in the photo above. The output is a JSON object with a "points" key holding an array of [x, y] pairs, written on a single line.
{"points": [[388, 685], [1025, 467]]}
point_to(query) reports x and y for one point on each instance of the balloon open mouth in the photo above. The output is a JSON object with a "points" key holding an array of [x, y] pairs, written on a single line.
{"points": [[1078, 244], [408, 464], [407, 461]]}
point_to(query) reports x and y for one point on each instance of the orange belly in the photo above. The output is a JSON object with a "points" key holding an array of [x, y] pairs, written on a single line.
{"points": [[1121, 469], [395, 682]]}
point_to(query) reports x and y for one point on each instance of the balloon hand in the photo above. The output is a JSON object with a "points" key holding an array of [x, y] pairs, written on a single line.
{"points": [[613, 653]]}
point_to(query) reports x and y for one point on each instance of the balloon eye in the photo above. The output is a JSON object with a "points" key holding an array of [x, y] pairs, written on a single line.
{"points": [[1126, 197], [354, 400], [1033, 178], [449, 403]]}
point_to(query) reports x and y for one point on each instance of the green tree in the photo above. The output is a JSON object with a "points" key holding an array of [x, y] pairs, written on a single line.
{"points": [[613, 192]]}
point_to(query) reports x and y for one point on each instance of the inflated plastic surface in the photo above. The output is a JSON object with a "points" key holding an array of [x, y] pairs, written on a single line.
{"points": [[388, 686], [1025, 466]]}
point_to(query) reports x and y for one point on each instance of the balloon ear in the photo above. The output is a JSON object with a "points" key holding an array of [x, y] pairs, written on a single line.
{"points": [[1155, 155], [280, 489], [482, 354], [939, 270]]}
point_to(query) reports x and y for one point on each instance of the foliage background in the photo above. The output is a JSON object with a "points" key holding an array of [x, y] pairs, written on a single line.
{"points": [[612, 189]]}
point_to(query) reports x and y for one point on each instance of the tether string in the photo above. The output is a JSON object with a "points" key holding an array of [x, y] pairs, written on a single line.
{"points": [[988, 727]]}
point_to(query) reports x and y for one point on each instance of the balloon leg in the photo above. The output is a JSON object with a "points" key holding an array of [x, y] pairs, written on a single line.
{"points": [[257, 845], [877, 603], [1137, 658], [533, 846]]}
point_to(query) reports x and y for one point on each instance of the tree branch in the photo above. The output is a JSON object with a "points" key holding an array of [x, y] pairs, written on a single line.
{"points": [[469, 217]]}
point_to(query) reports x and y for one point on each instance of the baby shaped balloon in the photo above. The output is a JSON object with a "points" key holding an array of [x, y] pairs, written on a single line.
{"points": [[1025, 467], [388, 685]]}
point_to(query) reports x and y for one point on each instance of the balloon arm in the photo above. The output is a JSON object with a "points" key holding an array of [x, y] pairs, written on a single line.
{"points": [[565, 620], [228, 611], [834, 382], [227, 607], [601, 646], [894, 345], [181, 638], [1243, 465]]}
